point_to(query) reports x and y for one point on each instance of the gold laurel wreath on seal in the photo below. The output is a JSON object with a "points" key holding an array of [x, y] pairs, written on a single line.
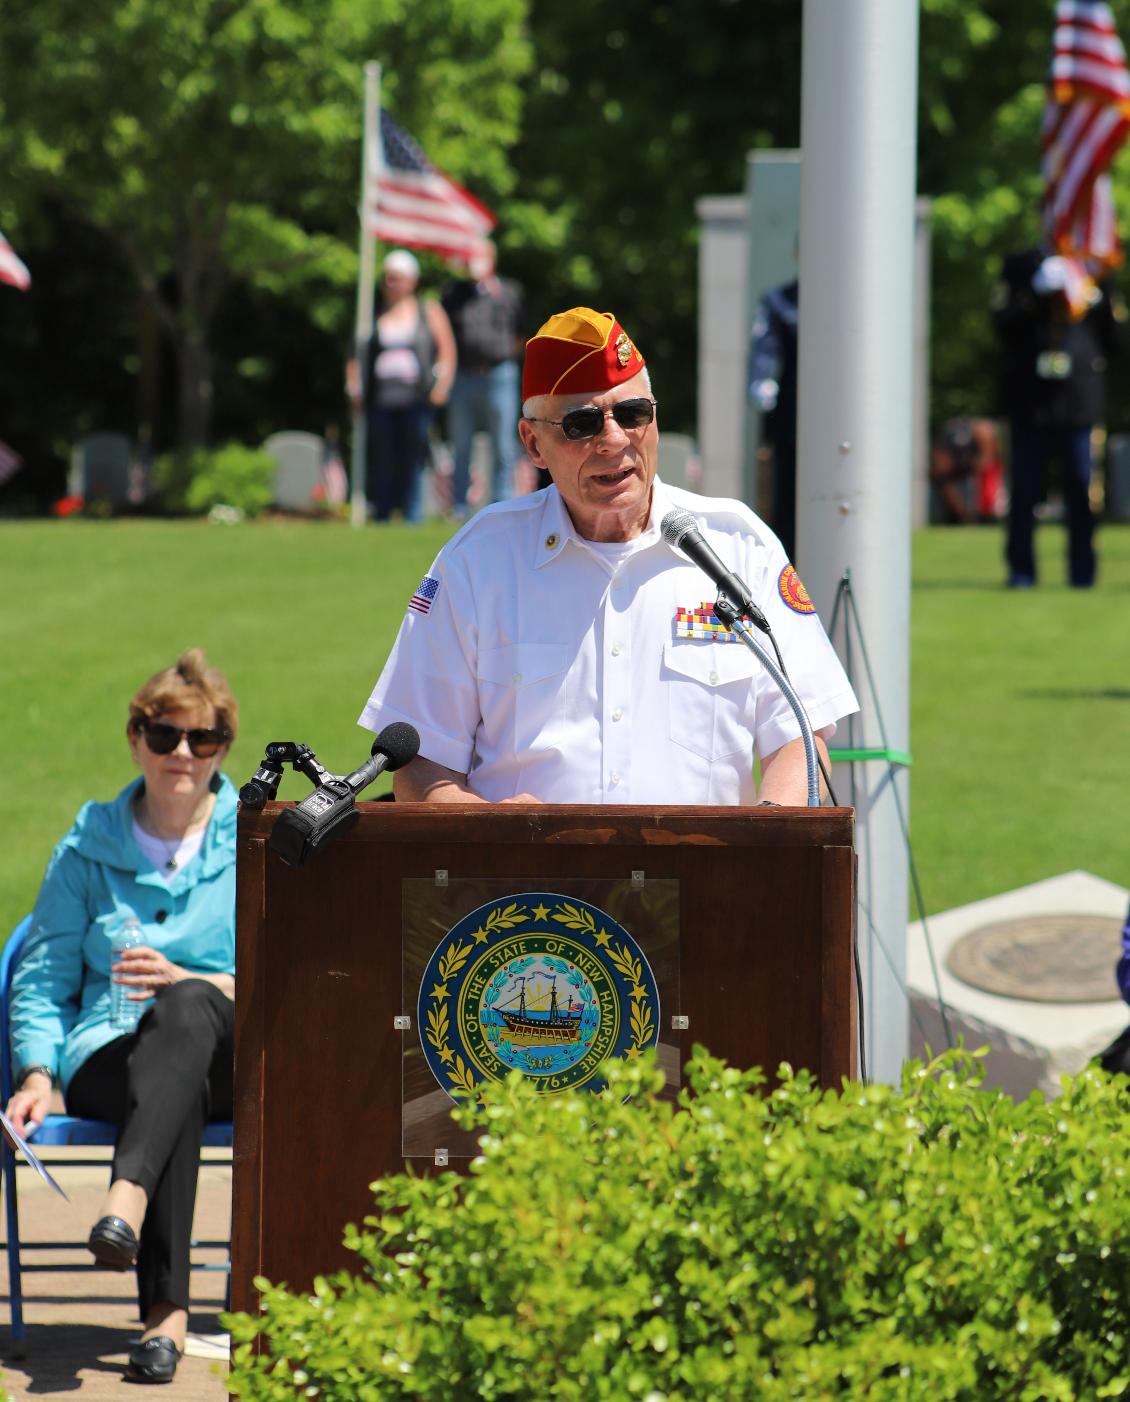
{"points": [[641, 1019], [451, 961], [438, 1030]]}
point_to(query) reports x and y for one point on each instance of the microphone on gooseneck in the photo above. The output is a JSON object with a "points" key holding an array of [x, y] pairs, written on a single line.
{"points": [[679, 529], [393, 748], [734, 601], [332, 808]]}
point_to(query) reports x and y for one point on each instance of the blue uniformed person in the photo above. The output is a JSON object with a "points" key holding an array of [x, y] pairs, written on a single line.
{"points": [[773, 388]]}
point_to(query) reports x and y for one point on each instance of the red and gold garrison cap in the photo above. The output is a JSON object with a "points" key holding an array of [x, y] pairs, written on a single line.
{"points": [[579, 352]]}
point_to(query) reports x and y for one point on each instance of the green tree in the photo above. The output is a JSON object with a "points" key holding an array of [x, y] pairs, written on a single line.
{"points": [[631, 115], [220, 140]]}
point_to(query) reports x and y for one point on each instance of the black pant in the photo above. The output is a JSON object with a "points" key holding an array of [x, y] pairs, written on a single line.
{"points": [[1031, 448], [160, 1085]]}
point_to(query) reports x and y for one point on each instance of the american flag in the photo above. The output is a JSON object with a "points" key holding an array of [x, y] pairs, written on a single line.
{"points": [[11, 269], [421, 600], [408, 201], [1086, 120]]}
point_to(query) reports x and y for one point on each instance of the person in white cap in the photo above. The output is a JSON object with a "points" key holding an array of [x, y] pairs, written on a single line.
{"points": [[408, 374]]}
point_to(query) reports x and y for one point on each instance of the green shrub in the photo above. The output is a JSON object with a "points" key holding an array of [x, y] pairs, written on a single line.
{"points": [[192, 483], [935, 1241]]}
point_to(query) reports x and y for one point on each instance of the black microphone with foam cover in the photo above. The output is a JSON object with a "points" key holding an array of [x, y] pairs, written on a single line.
{"points": [[394, 747], [680, 530], [332, 808]]}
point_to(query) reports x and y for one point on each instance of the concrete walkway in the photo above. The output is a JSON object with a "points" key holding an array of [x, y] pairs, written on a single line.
{"points": [[81, 1324]]}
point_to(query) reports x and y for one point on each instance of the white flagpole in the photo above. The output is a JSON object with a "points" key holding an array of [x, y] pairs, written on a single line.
{"points": [[858, 104], [363, 332]]}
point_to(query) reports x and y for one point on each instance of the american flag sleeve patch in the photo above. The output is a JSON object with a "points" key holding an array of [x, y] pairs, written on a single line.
{"points": [[422, 599]]}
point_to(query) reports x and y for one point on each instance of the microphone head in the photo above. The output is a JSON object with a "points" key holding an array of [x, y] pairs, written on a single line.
{"points": [[675, 525], [400, 742]]}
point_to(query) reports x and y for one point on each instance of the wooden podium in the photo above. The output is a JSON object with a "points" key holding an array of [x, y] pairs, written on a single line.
{"points": [[745, 915]]}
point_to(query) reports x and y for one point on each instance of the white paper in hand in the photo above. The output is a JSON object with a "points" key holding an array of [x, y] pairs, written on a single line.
{"points": [[24, 1148]]}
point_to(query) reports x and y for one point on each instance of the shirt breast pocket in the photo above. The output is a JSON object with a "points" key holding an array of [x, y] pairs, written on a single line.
{"points": [[522, 694], [711, 697]]}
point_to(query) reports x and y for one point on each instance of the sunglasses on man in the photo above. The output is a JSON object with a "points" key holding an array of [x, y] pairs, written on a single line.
{"points": [[163, 739], [589, 421]]}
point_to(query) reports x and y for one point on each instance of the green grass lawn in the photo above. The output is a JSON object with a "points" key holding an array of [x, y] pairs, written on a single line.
{"points": [[1020, 716], [300, 617], [1020, 701]]}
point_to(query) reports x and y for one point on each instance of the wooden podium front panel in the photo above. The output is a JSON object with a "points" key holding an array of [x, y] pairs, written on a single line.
{"points": [[765, 899]]}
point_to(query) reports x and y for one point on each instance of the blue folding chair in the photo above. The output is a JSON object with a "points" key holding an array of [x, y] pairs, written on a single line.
{"points": [[59, 1130]]}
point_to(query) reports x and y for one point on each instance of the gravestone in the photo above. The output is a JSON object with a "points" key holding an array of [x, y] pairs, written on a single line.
{"points": [[299, 457], [102, 470]]}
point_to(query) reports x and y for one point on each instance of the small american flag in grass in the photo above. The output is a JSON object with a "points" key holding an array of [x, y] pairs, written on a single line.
{"points": [[421, 600]]}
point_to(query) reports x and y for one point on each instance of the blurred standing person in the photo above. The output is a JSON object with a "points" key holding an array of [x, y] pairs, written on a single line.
{"points": [[1053, 375], [408, 374], [773, 388], [487, 316]]}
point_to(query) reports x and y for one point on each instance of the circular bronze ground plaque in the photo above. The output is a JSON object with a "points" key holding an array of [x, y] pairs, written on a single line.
{"points": [[1042, 958]]}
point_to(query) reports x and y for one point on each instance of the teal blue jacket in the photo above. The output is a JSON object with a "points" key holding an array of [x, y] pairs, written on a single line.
{"points": [[60, 1005]]}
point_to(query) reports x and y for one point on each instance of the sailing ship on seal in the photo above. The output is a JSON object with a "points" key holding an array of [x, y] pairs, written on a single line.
{"points": [[529, 1027]]}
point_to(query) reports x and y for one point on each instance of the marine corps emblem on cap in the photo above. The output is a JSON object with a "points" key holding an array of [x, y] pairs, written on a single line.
{"points": [[579, 352]]}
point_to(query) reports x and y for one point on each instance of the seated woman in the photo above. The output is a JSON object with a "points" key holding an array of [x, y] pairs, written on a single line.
{"points": [[164, 852]]}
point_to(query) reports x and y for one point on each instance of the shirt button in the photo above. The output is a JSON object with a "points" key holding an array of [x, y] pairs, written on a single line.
{"points": [[617, 714], [614, 777], [615, 649], [713, 679], [516, 678]]}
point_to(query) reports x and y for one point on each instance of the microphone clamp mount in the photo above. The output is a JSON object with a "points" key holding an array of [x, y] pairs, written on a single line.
{"points": [[332, 808], [264, 783]]}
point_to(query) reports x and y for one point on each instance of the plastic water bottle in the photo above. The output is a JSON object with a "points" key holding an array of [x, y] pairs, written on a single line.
{"points": [[125, 1012]]}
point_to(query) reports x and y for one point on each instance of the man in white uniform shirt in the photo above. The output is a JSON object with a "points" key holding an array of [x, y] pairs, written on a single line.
{"points": [[560, 651]]}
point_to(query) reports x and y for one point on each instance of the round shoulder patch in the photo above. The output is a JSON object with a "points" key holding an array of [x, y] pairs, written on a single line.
{"points": [[537, 983], [793, 592]]}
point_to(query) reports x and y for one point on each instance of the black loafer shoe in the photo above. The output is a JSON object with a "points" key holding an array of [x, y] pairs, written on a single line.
{"points": [[113, 1243], [154, 1361]]}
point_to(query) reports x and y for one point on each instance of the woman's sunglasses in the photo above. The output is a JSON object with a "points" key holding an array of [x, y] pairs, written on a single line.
{"points": [[589, 421], [163, 739]]}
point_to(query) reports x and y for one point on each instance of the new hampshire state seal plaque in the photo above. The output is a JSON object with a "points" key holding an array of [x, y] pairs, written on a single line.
{"points": [[544, 984]]}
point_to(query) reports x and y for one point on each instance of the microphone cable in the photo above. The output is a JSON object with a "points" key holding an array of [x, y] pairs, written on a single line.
{"points": [[765, 628], [680, 530]]}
